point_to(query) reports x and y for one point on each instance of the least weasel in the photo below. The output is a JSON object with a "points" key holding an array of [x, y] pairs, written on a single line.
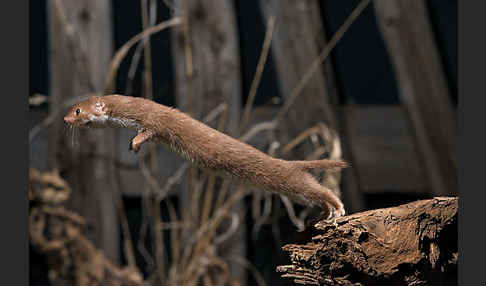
{"points": [[208, 148]]}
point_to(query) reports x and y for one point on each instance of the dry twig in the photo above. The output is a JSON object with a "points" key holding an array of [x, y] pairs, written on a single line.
{"points": [[258, 73], [121, 53]]}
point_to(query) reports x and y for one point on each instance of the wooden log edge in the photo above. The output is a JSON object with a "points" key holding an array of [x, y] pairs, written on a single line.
{"points": [[411, 244]]}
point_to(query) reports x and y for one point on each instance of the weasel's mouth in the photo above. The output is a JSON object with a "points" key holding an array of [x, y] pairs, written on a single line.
{"points": [[87, 124], [78, 124]]}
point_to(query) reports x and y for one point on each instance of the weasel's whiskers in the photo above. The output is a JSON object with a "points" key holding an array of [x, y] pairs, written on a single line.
{"points": [[66, 130], [72, 136], [74, 141]]}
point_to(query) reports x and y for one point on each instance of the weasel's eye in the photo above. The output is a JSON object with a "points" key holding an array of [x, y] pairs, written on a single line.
{"points": [[78, 111]]}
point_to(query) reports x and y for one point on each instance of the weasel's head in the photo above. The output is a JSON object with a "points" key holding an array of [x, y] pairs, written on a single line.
{"points": [[88, 113]]}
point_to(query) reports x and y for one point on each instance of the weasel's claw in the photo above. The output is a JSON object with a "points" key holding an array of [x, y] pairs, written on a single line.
{"points": [[339, 212], [326, 215], [331, 215], [130, 145]]}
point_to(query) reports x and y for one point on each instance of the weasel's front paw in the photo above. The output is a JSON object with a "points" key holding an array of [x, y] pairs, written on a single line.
{"points": [[133, 147]]}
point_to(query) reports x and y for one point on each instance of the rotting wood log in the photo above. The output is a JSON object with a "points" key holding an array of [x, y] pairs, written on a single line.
{"points": [[411, 244]]}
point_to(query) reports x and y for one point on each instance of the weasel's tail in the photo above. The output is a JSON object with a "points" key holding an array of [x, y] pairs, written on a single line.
{"points": [[322, 164]]}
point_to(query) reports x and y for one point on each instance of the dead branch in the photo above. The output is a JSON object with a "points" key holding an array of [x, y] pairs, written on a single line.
{"points": [[121, 53], [412, 244], [259, 72]]}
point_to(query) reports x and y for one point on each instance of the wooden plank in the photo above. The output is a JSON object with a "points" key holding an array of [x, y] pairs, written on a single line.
{"points": [[206, 57], [80, 48], [298, 40], [422, 87], [384, 151]]}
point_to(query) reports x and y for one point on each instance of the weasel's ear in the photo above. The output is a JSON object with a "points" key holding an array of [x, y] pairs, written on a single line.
{"points": [[100, 106]]}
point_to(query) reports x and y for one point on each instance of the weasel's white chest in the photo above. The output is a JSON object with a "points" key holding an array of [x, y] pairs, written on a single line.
{"points": [[121, 122]]}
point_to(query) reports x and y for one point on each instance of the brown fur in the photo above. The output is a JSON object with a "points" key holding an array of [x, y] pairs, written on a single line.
{"points": [[211, 149]]}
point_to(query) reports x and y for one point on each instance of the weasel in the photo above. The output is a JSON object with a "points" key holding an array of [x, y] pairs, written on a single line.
{"points": [[208, 148]]}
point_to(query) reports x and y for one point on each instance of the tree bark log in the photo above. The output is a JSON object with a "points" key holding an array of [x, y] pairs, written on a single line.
{"points": [[412, 244]]}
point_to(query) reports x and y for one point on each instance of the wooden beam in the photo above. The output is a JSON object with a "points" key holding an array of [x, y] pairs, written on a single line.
{"points": [[298, 40], [206, 61], [408, 36], [80, 48], [384, 151]]}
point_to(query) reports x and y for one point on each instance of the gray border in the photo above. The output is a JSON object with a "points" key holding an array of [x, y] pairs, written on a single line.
{"points": [[471, 110], [14, 204]]}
